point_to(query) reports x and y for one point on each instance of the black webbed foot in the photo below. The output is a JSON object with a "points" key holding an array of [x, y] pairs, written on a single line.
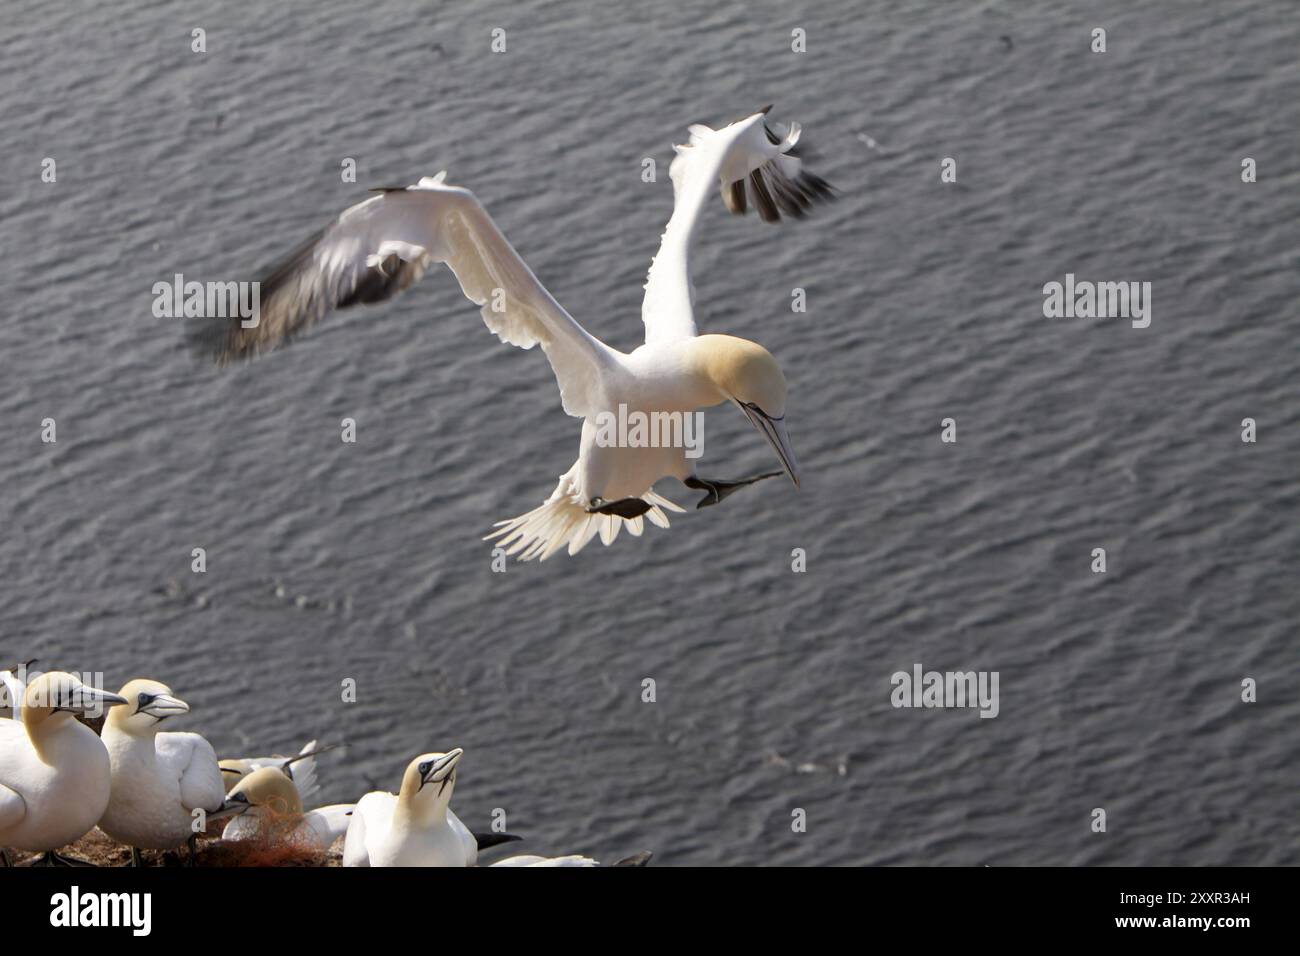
{"points": [[628, 508], [716, 489]]}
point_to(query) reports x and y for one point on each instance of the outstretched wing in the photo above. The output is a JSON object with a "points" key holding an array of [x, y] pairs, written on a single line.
{"points": [[748, 153], [381, 246]]}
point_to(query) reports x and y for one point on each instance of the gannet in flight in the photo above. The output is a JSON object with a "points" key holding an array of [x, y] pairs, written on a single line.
{"points": [[55, 776], [276, 809], [12, 689], [159, 778], [300, 768], [379, 247]]}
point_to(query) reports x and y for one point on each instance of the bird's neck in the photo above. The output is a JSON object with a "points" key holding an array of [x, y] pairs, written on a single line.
{"points": [[419, 811], [42, 724]]}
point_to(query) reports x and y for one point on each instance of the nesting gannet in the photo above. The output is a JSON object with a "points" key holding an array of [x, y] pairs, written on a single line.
{"points": [[275, 806], [159, 778], [415, 826], [412, 827], [12, 688], [55, 775], [300, 768], [378, 247]]}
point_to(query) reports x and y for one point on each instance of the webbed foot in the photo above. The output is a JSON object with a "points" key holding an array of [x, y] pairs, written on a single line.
{"points": [[628, 508], [716, 488]]}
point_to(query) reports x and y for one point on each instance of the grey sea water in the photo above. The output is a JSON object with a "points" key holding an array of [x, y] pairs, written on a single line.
{"points": [[329, 561]]}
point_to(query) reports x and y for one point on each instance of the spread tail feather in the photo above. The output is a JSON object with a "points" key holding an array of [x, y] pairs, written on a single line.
{"points": [[564, 520]]}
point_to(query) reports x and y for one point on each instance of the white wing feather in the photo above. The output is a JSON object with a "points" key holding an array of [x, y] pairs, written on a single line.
{"points": [[194, 762], [379, 247], [13, 808]]}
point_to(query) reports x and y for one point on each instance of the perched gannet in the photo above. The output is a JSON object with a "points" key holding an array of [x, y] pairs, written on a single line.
{"points": [[416, 827], [378, 247], [300, 768], [412, 827], [275, 805], [159, 779], [55, 775], [12, 688]]}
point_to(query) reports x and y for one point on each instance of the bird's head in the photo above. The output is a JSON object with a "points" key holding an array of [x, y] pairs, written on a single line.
{"points": [[269, 789], [56, 696], [148, 703], [430, 779], [745, 373]]}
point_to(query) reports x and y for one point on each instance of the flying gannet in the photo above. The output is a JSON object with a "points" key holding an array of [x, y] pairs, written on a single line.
{"points": [[12, 688], [300, 768], [379, 247], [276, 808], [55, 775], [159, 779]]}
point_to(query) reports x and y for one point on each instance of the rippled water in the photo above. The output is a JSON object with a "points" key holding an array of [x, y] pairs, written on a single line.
{"points": [[328, 561]]}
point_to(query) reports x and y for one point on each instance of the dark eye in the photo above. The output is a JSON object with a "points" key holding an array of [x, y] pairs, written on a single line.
{"points": [[424, 768]]}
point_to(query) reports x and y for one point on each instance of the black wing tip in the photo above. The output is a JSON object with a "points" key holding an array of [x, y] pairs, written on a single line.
{"points": [[636, 859], [775, 194], [226, 341], [488, 840]]}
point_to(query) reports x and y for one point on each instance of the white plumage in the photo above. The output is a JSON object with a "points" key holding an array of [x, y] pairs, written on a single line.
{"points": [[158, 779], [275, 809], [12, 689], [54, 772], [381, 246], [300, 768]]}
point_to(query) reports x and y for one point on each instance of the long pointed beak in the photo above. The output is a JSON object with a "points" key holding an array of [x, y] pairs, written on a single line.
{"points": [[103, 698], [164, 705], [773, 430], [91, 701], [230, 807], [443, 767]]}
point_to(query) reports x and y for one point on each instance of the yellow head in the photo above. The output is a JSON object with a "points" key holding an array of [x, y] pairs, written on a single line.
{"points": [[428, 783], [743, 371], [269, 789], [148, 703], [55, 697], [746, 373]]}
